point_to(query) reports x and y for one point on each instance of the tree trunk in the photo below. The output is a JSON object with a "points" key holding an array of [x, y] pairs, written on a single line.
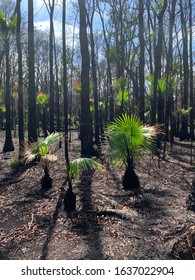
{"points": [[191, 73], [109, 72], [141, 61], [130, 178], [20, 83], [86, 127], [157, 95], [184, 121], [51, 83], [94, 77], [32, 115], [8, 145]]}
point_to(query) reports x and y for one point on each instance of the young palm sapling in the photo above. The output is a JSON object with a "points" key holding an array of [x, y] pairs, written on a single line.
{"points": [[128, 139], [75, 168], [40, 151]]}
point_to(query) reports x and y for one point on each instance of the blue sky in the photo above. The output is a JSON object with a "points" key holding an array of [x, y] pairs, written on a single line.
{"points": [[41, 16], [41, 19]]}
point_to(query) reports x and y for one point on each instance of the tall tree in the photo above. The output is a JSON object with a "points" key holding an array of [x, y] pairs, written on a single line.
{"points": [[157, 96], [7, 28], [184, 122], [20, 81], [86, 126], [141, 60], [109, 72], [94, 74], [50, 9], [32, 116], [191, 71]]}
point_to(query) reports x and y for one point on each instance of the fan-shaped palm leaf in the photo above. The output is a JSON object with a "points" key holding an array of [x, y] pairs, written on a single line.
{"points": [[40, 148], [128, 137], [82, 164]]}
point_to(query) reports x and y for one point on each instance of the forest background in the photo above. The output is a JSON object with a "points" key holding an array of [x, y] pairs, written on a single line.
{"points": [[107, 57], [73, 67]]}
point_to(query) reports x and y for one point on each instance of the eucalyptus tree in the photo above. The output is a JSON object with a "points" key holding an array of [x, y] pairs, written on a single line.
{"points": [[157, 96], [69, 195], [169, 104], [32, 116], [110, 95], [50, 8], [7, 29], [141, 61], [86, 126], [20, 81], [94, 71], [184, 122], [191, 77]]}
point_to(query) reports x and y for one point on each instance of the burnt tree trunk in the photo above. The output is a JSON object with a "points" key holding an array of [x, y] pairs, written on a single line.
{"points": [[86, 126]]}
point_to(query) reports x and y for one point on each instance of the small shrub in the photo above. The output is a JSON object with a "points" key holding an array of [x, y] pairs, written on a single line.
{"points": [[14, 163]]}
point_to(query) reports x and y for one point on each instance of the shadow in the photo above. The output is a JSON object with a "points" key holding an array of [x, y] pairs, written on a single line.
{"points": [[13, 176], [49, 222], [3, 256], [87, 223]]}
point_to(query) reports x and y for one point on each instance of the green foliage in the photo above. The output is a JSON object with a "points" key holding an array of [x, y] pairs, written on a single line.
{"points": [[40, 150], [128, 138], [3, 109], [123, 94], [14, 163], [42, 98], [163, 83], [7, 27], [3, 22], [112, 54], [82, 164], [184, 112]]}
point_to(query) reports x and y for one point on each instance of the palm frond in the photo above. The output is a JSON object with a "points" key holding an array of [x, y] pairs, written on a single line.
{"points": [[27, 157], [82, 164], [41, 149], [128, 137], [50, 139]]}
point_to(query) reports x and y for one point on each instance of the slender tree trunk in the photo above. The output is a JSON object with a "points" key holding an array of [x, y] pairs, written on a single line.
{"points": [[157, 70], [109, 72], [169, 104], [51, 83], [8, 145], [65, 88], [191, 73], [32, 115], [184, 122], [86, 127], [94, 77], [20, 83], [141, 61]]}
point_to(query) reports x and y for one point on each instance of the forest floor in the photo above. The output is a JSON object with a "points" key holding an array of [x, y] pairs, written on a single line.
{"points": [[109, 222]]}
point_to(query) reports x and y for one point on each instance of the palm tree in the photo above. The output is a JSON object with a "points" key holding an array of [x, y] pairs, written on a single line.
{"points": [[128, 138], [74, 169], [40, 151], [7, 28]]}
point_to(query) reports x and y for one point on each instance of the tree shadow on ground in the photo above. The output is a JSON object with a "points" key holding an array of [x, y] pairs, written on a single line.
{"points": [[13, 176], [50, 222], [87, 224]]}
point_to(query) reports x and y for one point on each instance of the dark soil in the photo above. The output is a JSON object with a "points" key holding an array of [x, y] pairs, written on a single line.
{"points": [[109, 222]]}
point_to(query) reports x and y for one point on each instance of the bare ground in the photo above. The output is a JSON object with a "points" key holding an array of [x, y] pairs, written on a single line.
{"points": [[109, 223]]}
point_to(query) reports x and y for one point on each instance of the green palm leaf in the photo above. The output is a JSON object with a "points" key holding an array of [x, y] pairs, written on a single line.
{"points": [[40, 148], [82, 164], [128, 137]]}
